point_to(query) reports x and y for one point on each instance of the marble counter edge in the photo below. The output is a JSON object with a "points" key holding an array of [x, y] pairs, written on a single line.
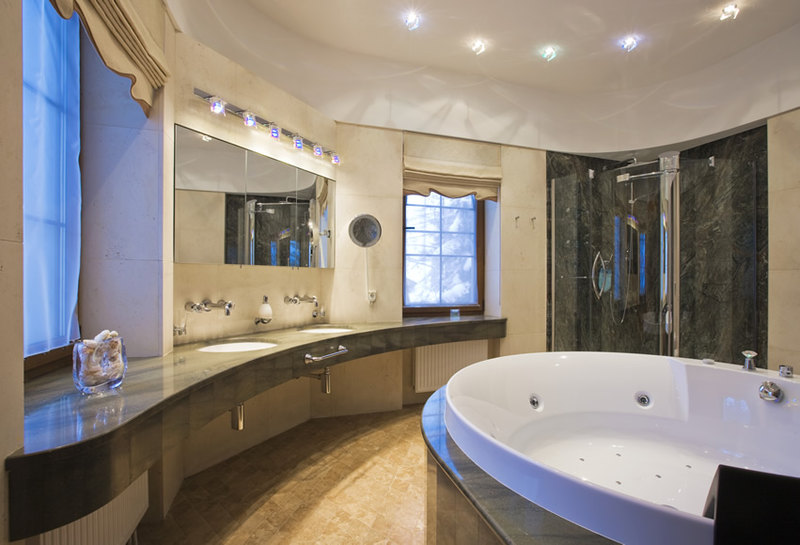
{"points": [[90, 472], [514, 519]]}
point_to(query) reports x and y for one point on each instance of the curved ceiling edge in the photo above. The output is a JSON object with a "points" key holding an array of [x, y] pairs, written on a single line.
{"points": [[744, 89]]}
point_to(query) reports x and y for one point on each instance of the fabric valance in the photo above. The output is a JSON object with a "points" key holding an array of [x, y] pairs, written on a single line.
{"points": [[123, 42], [453, 168]]}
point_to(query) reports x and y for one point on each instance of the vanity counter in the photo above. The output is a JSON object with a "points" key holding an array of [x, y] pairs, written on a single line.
{"points": [[82, 451]]}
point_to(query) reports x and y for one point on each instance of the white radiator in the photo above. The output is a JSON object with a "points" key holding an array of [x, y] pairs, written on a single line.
{"points": [[435, 364], [112, 524]]}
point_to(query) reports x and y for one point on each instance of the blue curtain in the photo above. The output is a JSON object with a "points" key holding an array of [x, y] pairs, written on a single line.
{"points": [[51, 176]]}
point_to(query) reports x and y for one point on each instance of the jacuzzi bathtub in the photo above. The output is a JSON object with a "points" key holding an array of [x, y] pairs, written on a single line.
{"points": [[625, 445]]}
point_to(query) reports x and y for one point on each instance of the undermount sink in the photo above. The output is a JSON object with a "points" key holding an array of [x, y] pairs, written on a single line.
{"points": [[237, 346], [322, 330]]}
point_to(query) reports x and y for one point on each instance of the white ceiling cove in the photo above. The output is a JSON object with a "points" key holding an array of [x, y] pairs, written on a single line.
{"points": [[692, 76]]}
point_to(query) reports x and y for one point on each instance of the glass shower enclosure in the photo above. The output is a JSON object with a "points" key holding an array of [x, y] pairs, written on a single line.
{"points": [[661, 257], [614, 234]]}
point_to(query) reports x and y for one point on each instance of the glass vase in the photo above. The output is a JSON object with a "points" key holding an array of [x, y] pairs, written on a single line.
{"points": [[99, 366]]}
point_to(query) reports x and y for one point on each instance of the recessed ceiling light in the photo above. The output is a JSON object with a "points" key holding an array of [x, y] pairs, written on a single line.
{"points": [[412, 20], [629, 43], [549, 53], [478, 46], [729, 12]]}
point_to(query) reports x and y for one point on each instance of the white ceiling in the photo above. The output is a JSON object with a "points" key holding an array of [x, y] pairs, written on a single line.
{"points": [[677, 36], [691, 76]]}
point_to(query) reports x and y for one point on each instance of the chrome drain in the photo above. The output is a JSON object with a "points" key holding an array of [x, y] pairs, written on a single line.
{"points": [[642, 398], [534, 401]]}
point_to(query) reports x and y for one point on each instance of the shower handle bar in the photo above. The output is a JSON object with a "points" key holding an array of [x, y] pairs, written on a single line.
{"points": [[598, 291]]}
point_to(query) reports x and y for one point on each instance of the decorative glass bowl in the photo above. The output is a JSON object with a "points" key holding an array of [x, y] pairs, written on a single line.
{"points": [[99, 366]]}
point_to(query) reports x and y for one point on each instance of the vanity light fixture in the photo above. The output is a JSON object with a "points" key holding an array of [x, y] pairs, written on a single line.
{"points": [[249, 119], [478, 46], [412, 20], [549, 53], [217, 105], [729, 12], [629, 43]]}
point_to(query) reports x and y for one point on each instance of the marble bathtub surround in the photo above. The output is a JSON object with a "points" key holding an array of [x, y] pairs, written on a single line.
{"points": [[162, 400], [491, 512]]}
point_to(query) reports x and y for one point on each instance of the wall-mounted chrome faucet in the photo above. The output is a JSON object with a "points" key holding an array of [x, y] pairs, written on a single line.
{"points": [[296, 300], [207, 306]]}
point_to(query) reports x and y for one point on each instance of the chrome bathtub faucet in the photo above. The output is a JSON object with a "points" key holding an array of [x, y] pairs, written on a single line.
{"points": [[749, 360]]}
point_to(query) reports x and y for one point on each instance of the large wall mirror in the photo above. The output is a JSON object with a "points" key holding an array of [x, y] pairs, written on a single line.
{"points": [[236, 206]]}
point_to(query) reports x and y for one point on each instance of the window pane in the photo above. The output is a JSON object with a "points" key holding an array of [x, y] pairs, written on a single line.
{"points": [[458, 245], [51, 199], [441, 252], [461, 202], [423, 243], [458, 220], [460, 275], [422, 281], [423, 218], [434, 199]]}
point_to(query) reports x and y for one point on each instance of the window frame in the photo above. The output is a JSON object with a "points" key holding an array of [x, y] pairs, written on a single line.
{"points": [[480, 254]]}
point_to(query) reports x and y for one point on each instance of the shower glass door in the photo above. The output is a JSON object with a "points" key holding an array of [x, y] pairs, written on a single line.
{"points": [[610, 246], [613, 276]]}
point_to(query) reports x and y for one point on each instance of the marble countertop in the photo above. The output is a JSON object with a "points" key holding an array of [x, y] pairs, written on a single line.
{"points": [[515, 520], [81, 451]]}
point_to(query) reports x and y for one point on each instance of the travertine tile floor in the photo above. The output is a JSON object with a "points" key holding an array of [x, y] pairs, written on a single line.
{"points": [[353, 479]]}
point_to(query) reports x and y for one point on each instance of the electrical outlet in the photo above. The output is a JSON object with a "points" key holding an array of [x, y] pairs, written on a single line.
{"points": [[372, 296]]}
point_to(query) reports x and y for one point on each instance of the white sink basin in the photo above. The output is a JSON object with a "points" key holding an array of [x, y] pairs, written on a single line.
{"points": [[326, 330], [237, 347]]}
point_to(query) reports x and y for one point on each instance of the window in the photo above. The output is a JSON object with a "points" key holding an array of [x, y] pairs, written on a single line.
{"points": [[51, 177], [443, 255]]}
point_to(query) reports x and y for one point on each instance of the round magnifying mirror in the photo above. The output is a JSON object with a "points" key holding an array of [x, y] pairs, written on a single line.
{"points": [[365, 230]]}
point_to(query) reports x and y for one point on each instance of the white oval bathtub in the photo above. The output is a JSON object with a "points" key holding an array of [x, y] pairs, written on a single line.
{"points": [[591, 452]]}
